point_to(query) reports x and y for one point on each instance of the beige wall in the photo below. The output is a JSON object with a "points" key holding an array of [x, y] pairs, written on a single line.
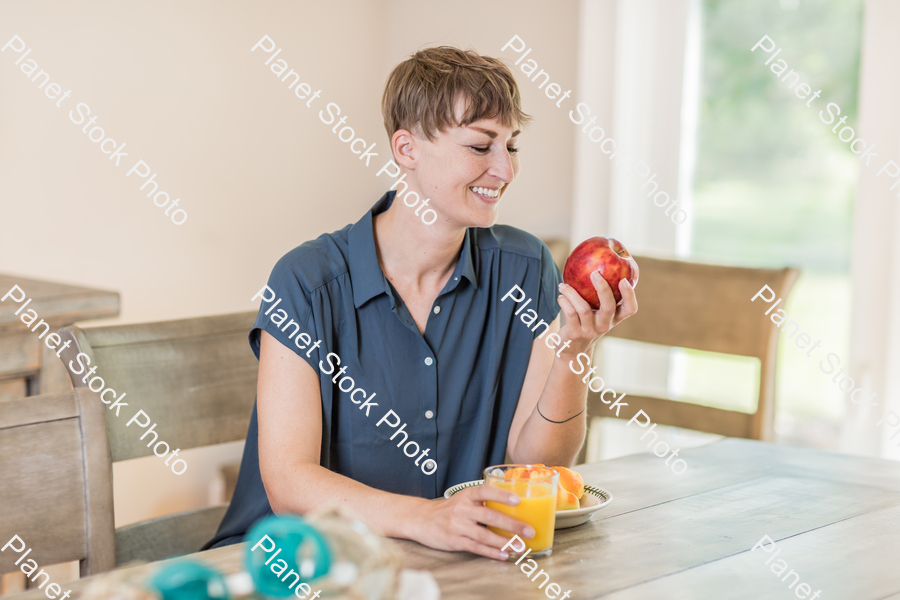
{"points": [[255, 169]]}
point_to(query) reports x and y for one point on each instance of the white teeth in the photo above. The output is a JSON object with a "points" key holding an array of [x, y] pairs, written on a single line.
{"points": [[485, 192]]}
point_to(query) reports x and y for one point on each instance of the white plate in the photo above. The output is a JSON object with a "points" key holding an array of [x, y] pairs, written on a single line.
{"points": [[593, 500]]}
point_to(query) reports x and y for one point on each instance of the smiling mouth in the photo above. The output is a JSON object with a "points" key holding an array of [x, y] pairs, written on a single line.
{"points": [[487, 193]]}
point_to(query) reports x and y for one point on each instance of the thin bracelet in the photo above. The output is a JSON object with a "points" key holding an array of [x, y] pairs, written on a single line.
{"points": [[538, 406]]}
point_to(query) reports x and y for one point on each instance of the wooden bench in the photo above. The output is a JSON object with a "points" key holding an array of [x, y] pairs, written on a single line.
{"points": [[55, 481], [196, 378]]}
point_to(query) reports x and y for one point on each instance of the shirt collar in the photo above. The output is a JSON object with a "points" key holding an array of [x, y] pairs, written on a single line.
{"points": [[366, 275], [465, 266]]}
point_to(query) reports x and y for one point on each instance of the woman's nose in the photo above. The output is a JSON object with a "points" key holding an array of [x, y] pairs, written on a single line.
{"points": [[502, 166]]}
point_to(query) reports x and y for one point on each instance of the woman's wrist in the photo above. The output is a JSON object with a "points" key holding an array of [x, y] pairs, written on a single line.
{"points": [[577, 347], [405, 517]]}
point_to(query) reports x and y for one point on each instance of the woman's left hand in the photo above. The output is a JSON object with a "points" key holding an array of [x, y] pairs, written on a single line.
{"points": [[585, 326]]}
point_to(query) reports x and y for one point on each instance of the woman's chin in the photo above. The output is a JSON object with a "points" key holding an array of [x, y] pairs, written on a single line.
{"points": [[485, 217], [482, 216]]}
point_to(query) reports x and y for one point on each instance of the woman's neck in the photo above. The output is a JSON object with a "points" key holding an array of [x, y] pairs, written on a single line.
{"points": [[414, 255]]}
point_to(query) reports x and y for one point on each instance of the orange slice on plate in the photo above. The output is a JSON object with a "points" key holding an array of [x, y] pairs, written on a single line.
{"points": [[566, 500], [570, 481]]}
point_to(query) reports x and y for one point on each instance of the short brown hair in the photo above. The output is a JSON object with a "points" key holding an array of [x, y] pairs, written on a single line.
{"points": [[421, 91]]}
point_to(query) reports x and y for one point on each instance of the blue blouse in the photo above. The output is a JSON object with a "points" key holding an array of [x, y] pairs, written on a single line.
{"points": [[402, 411]]}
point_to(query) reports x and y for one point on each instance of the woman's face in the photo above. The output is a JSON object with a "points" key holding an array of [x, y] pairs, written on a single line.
{"points": [[466, 170]]}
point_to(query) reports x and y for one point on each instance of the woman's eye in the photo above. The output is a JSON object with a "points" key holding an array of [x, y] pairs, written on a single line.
{"points": [[486, 149]]}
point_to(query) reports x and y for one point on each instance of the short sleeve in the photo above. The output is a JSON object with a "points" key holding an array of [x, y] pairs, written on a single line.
{"points": [[285, 312], [548, 307]]}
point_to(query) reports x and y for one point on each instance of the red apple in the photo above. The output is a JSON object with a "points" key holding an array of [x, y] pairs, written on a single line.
{"points": [[605, 255]]}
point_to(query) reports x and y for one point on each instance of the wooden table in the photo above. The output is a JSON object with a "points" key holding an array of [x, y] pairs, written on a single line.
{"points": [[27, 366], [834, 518]]}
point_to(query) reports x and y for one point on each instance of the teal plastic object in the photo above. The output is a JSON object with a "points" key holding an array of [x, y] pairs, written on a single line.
{"points": [[189, 580], [296, 539]]}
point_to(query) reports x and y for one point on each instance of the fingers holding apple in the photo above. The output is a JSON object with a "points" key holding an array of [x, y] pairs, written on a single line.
{"points": [[629, 304], [609, 258], [604, 292], [581, 321], [601, 270]]}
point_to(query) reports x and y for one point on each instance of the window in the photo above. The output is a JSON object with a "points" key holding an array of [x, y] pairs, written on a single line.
{"points": [[773, 186]]}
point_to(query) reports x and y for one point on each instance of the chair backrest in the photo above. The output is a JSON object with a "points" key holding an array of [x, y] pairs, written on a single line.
{"points": [[705, 307], [196, 379], [56, 482], [559, 250], [171, 535]]}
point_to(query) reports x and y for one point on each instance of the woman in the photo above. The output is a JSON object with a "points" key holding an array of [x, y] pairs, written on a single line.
{"points": [[393, 335]]}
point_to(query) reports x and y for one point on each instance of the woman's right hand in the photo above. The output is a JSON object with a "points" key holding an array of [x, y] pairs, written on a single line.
{"points": [[456, 524]]}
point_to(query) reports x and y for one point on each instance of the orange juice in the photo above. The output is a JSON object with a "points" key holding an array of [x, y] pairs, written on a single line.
{"points": [[537, 507]]}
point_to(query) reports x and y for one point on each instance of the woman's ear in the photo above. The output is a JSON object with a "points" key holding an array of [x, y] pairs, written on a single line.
{"points": [[405, 148]]}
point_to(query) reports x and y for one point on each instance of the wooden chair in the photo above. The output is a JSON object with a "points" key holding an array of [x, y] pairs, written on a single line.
{"points": [[559, 249], [704, 307], [196, 379], [55, 482]]}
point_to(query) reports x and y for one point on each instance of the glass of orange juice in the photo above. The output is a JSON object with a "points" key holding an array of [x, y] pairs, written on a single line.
{"points": [[536, 488]]}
